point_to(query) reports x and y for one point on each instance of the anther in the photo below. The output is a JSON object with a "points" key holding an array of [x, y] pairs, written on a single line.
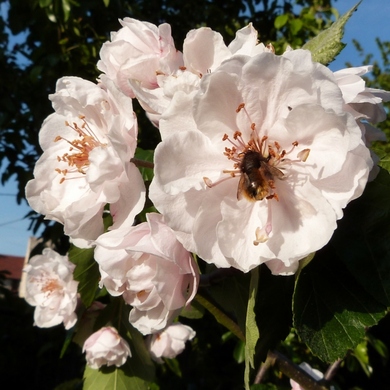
{"points": [[303, 154], [237, 134], [208, 182], [240, 107]]}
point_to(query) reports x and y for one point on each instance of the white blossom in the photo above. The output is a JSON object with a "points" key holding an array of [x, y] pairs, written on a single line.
{"points": [[170, 342], [361, 101], [87, 147], [280, 204], [139, 51], [150, 269], [204, 49], [365, 104], [106, 347], [142, 61], [50, 287]]}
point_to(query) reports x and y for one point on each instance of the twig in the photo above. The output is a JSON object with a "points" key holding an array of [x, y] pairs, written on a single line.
{"points": [[142, 163], [293, 371], [220, 316], [264, 367], [331, 371]]}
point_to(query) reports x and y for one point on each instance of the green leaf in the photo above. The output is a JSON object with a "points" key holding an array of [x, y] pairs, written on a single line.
{"points": [[385, 162], [331, 312], [141, 364], [327, 44], [346, 288], [107, 220], [280, 21], [295, 26], [50, 15], [110, 378], [70, 385], [66, 9], [379, 346], [252, 332], [361, 355], [174, 366], [86, 273], [45, 3], [239, 352], [193, 311], [138, 371], [363, 238]]}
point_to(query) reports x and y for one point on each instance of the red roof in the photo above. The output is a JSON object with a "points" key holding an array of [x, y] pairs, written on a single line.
{"points": [[12, 264]]}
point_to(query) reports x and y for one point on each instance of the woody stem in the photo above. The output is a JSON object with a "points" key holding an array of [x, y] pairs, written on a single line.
{"points": [[142, 163]]}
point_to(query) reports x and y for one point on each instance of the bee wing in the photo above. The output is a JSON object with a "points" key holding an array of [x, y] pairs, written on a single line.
{"points": [[270, 172], [242, 185]]}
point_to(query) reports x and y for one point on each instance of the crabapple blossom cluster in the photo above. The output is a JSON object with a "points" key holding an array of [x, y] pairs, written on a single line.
{"points": [[50, 287], [259, 155]]}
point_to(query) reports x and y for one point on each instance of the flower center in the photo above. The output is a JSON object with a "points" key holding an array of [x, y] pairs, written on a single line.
{"points": [[47, 284], [259, 163], [50, 286], [77, 157]]}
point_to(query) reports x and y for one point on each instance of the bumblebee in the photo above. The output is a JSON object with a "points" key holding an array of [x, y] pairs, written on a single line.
{"points": [[257, 179]]}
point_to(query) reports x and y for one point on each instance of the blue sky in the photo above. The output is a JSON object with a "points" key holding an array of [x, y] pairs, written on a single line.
{"points": [[370, 21]]}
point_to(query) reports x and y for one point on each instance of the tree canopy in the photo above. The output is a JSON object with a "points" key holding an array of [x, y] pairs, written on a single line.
{"points": [[44, 40]]}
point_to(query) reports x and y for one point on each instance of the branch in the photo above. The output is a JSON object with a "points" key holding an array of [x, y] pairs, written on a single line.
{"points": [[331, 371], [142, 163], [221, 317], [269, 362], [287, 367]]}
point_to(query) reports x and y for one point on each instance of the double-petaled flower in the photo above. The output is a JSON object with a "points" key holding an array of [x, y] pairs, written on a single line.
{"points": [[50, 287], [265, 165], [87, 147]]}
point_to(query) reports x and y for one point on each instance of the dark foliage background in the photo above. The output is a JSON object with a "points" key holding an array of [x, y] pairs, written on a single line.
{"points": [[63, 38]]}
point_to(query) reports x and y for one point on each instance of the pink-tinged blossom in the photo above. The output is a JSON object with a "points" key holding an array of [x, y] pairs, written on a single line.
{"points": [[170, 342], [365, 104], [139, 51], [204, 49], [87, 147], [361, 101], [150, 269], [142, 61], [50, 287], [106, 347], [286, 111]]}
